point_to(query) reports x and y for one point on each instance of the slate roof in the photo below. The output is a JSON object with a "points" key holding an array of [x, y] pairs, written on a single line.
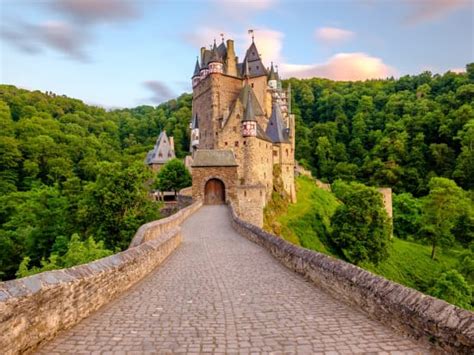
{"points": [[255, 64], [247, 93], [273, 75], [213, 157], [249, 114], [276, 129], [222, 50], [197, 68], [162, 152], [195, 122]]}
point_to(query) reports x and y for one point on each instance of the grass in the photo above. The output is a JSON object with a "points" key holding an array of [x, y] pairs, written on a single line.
{"points": [[307, 223], [308, 220]]}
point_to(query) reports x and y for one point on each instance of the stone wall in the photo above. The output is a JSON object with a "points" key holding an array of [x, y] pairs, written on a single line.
{"points": [[33, 309], [406, 310]]}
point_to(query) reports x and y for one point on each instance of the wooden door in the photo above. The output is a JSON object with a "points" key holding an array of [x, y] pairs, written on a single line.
{"points": [[214, 192]]}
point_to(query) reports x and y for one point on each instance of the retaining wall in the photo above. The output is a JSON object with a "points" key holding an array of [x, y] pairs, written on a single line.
{"points": [[33, 309], [404, 309]]}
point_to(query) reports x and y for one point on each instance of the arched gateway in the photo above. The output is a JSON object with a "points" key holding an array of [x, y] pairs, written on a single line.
{"points": [[214, 192]]}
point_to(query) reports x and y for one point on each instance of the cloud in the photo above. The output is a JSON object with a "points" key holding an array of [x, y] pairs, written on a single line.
{"points": [[429, 10], [96, 11], [458, 70], [55, 35], [331, 35], [247, 4], [342, 66], [160, 91]]}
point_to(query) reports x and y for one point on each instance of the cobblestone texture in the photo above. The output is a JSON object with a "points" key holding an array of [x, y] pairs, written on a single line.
{"points": [[220, 293]]}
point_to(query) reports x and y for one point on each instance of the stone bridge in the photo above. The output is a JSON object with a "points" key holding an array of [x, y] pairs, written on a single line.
{"points": [[220, 292]]}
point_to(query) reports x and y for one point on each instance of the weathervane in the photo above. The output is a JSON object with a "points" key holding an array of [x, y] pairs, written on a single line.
{"points": [[222, 36], [251, 33]]}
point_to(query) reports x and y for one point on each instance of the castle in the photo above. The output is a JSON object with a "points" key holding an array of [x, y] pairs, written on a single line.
{"points": [[242, 131], [161, 152]]}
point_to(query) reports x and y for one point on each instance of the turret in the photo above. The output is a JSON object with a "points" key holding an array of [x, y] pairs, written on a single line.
{"points": [[197, 73], [215, 63], [195, 132], [272, 78], [249, 122]]}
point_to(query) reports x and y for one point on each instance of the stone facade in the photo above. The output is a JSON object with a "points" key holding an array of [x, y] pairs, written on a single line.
{"points": [[447, 327], [241, 107], [33, 309]]}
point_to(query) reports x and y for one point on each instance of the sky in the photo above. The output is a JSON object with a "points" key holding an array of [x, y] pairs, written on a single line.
{"points": [[125, 53]]}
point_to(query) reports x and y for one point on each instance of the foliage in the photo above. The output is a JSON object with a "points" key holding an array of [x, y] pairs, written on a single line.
{"points": [[67, 167], [406, 215], [361, 228], [441, 209], [452, 287], [77, 252], [173, 176], [393, 132]]}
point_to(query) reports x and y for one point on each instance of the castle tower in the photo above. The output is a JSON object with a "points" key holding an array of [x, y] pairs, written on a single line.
{"points": [[240, 111]]}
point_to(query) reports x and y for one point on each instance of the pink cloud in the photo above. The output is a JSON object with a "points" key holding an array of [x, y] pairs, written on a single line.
{"points": [[428, 10], [342, 66], [330, 35]]}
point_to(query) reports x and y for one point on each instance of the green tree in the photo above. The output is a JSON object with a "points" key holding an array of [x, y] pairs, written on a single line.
{"points": [[452, 287], [173, 176], [441, 208], [406, 215], [361, 227], [78, 252], [116, 204]]}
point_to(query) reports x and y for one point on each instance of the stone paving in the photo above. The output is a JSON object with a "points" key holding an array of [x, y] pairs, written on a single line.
{"points": [[220, 293]]}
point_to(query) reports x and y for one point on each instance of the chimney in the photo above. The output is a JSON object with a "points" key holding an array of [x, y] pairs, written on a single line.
{"points": [[231, 59], [203, 49]]}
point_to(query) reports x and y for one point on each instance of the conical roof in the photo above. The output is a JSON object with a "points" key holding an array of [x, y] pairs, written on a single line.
{"points": [[276, 129], [249, 113], [197, 68], [273, 75]]}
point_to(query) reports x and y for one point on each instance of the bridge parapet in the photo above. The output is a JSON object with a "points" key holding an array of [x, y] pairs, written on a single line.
{"points": [[33, 309], [404, 309]]}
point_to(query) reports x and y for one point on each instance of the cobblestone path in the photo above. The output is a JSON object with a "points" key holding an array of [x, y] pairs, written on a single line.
{"points": [[220, 293]]}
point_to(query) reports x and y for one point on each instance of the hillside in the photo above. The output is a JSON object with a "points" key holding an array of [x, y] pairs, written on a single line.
{"points": [[393, 132], [307, 223], [72, 175]]}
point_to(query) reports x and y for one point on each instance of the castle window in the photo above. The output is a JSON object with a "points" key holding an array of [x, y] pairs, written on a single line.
{"points": [[218, 134], [251, 85], [234, 128], [236, 143], [245, 193], [264, 175], [160, 155], [261, 194], [225, 143], [275, 153], [287, 152], [245, 142]]}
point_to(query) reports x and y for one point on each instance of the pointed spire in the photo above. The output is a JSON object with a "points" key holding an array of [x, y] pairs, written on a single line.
{"points": [[197, 68], [215, 57], [249, 113], [272, 75], [276, 127]]}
